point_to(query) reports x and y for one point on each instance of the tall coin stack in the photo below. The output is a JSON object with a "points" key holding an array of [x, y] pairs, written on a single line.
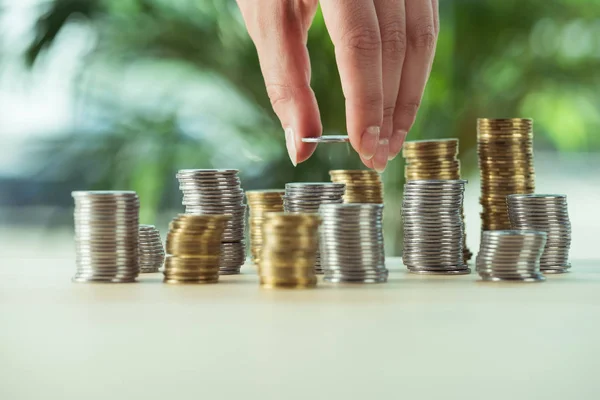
{"points": [[362, 186], [547, 213], [289, 250], [433, 227], [150, 249], [194, 248], [307, 197], [437, 160], [261, 202], [511, 256], [351, 239], [505, 148], [106, 236], [218, 192]]}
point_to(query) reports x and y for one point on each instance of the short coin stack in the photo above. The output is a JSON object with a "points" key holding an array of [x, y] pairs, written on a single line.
{"points": [[150, 250], [289, 250], [362, 186], [261, 202], [434, 159], [511, 256], [218, 192], [106, 236], [352, 243], [307, 197], [194, 248], [433, 227], [547, 213], [505, 148]]}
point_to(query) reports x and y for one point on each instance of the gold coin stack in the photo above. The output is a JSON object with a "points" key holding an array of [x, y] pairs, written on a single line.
{"points": [[194, 248], [289, 250], [434, 160], [505, 148], [261, 202], [361, 186]]}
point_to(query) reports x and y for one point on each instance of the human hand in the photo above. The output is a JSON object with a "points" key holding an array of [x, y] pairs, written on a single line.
{"points": [[384, 51]]}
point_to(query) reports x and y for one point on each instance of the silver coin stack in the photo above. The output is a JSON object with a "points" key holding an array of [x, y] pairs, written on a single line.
{"points": [[433, 227], [151, 252], [213, 192], [351, 241], [106, 236], [547, 213], [511, 256], [307, 197]]}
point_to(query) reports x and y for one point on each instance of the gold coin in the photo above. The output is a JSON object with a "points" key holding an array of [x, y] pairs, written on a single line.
{"points": [[362, 186], [289, 250]]}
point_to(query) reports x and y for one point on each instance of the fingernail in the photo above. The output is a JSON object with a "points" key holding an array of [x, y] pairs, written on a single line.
{"points": [[396, 142], [290, 143], [381, 156], [369, 142]]}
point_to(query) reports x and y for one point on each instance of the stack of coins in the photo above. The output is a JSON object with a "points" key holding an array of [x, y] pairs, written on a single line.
{"points": [[106, 236], [289, 250], [351, 240], [150, 250], [194, 248], [261, 202], [511, 256], [218, 192], [547, 213], [361, 186], [307, 197], [505, 148], [433, 227], [434, 160]]}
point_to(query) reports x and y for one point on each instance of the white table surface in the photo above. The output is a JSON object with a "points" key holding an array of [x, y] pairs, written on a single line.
{"points": [[428, 337]]}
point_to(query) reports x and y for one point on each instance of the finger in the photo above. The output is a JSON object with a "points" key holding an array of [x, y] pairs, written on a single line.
{"points": [[354, 30], [436, 16], [392, 26], [421, 38], [279, 31]]}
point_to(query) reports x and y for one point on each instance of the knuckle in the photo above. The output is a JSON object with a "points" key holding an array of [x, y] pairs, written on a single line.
{"points": [[422, 35], [370, 102], [388, 111], [393, 39], [362, 39], [279, 93], [409, 109]]}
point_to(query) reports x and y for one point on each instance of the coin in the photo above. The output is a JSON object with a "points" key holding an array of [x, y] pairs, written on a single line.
{"points": [[261, 202], [289, 250], [511, 255], [218, 192], [106, 236], [351, 240], [151, 254], [546, 213], [194, 249], [307, 197], [505, 149], [327, 139], [362, 186], [433, 224], [434, 160]]}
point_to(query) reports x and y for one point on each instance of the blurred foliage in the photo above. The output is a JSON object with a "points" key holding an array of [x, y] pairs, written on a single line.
{"points": [[495, 58]]}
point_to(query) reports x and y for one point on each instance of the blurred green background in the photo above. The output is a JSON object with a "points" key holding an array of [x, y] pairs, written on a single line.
{"points": [[120, 94]]}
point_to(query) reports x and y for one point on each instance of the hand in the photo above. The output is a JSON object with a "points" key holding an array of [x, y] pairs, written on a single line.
{"points": [[384, 51]]}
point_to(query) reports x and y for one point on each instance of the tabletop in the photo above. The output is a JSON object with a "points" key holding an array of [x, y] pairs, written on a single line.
{"points": [[423, 336]]}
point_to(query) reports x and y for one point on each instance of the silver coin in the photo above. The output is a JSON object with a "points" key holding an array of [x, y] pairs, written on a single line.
{"points": [[327, 139]]}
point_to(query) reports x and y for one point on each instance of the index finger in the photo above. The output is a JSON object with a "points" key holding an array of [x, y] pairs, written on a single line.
{"points": [[354, 30]]}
